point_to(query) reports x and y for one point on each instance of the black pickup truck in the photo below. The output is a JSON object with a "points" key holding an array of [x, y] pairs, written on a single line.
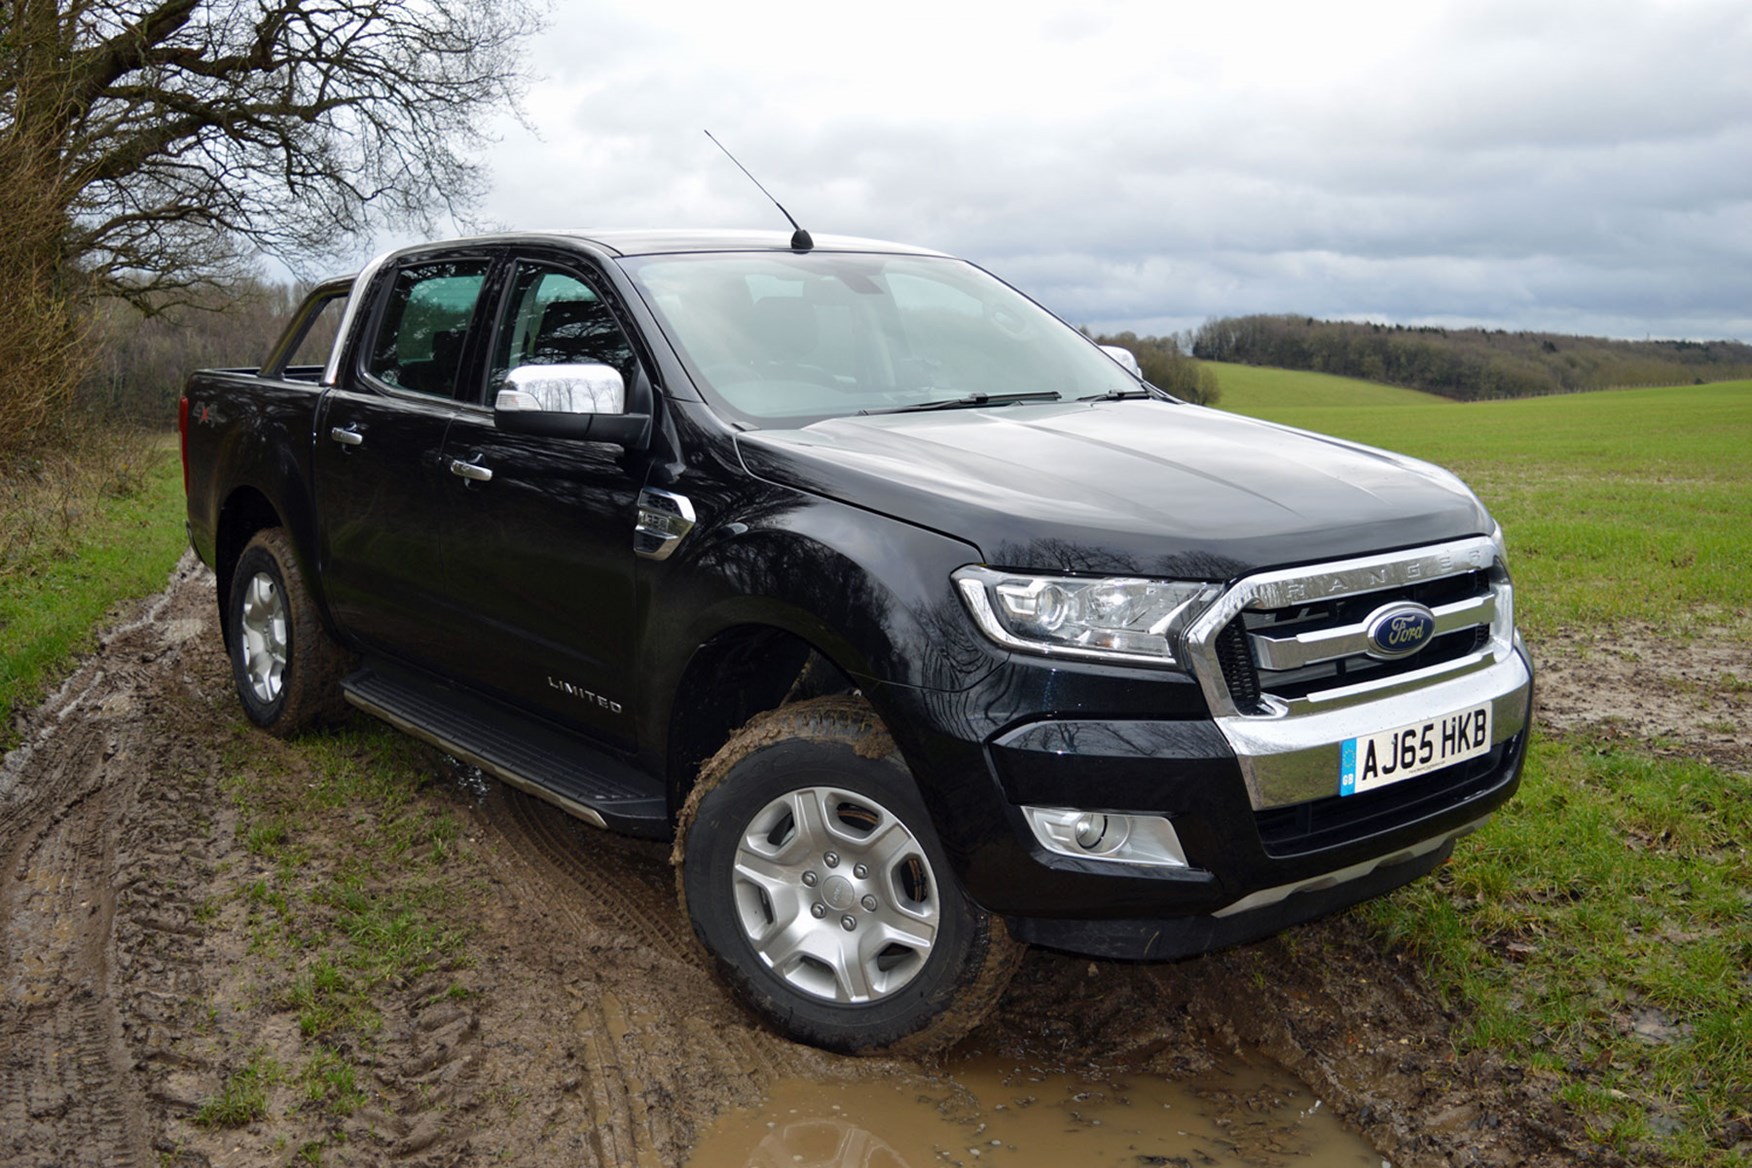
{"points": [[922, 626]]}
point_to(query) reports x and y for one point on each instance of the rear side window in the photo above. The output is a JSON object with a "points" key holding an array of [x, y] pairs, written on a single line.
{"points": [[425, 325], [320, 329]]}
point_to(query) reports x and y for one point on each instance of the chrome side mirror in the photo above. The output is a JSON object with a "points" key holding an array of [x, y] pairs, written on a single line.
{"points": [[1127, 359], [586, 402], [562, 389]]}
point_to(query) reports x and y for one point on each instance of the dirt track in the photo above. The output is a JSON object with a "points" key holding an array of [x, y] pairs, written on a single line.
{"points": [[584, 1029]]}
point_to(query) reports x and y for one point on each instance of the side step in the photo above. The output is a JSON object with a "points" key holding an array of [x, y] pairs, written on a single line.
{"points": [[521, 751]]}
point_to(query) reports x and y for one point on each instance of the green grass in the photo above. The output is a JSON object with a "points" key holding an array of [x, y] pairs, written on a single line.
{"points": [[243, 1098], [1257, 391], [74, 540], [330, 1083], [351, 892], [1620, 506], [1599, 931]]}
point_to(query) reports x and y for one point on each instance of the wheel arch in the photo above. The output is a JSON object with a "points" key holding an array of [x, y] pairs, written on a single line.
{"points": [[743, 670], [867, 598], [245, 511]]}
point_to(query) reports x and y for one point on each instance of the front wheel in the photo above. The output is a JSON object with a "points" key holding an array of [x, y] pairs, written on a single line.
{"points": [[809, 868], [286, 667]]}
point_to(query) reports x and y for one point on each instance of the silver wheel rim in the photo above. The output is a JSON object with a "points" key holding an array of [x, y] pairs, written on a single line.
{"points": [[835, 895], [262, 637]]}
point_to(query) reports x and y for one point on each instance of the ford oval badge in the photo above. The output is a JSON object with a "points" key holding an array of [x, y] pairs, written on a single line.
{"points": [[1399, 630]]}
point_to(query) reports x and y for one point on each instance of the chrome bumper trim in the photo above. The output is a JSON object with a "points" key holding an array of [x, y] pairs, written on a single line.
{"points": [[1294, 759], [1270, 896]]}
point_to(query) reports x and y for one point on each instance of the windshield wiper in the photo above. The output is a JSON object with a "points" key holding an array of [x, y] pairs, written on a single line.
{"points": [[971, 401], [1122, 394]]}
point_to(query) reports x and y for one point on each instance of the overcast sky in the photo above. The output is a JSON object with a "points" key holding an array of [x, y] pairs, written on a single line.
{"points": [[1581, 167]]}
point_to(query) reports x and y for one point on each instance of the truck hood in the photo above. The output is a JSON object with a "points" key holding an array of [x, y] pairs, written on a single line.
{"points": [[1147, 488]]}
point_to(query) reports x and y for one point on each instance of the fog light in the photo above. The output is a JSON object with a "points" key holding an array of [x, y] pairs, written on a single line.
{"points": [[1106, 835], [1090, 830]]}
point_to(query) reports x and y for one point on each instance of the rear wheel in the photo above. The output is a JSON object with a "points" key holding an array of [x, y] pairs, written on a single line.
{"points": [[286, 667], [810, 870]]}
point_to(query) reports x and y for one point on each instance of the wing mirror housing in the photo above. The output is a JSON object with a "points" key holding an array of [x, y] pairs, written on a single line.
{"points": [[586, 402], [1126, 358]]}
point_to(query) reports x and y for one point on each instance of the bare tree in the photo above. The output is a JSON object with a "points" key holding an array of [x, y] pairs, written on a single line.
{"points": [[148, 146]]}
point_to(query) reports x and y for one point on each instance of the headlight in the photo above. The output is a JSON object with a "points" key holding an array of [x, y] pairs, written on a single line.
{"points": [[1110, 618], [1502, 545]]}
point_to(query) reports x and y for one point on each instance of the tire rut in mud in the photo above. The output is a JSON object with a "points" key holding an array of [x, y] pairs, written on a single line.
{"points": [[661, 1049], [90, 940], [591, 1030]]}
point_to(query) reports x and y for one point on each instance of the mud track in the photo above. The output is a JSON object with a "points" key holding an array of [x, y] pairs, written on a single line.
{"points": [[591, 1032]]}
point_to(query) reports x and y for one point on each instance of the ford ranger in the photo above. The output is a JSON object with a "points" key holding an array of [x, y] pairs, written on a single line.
{"points": [[923, 626]]}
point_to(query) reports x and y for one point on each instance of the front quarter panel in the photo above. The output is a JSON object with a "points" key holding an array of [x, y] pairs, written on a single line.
{"points": [[872, 593]]}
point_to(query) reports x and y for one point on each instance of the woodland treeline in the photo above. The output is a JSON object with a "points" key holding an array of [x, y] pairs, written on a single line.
{"points": [[1167, 365], [1467, 364], [135, 364]]}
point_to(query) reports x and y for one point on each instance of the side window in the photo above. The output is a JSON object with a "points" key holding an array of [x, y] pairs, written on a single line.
{"points": [[557, 319], [425, 325]]}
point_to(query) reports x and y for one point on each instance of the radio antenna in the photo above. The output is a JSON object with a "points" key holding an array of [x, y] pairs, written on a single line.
{"points": [[800, 240]]}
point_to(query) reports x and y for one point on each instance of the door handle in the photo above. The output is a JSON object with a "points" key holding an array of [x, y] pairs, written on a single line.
{"points": [[472, 471], [347, 436]]}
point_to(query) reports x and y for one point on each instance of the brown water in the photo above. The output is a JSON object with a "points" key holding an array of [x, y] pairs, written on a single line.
{"points": [[991, 1112]]}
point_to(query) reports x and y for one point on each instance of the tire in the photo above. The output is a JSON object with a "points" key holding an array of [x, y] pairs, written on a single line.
{"points": [[286, 666], [811, 873]]}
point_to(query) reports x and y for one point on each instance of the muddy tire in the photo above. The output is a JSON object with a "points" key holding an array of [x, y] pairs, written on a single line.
{"points": [[810, 871], [286, 666]]}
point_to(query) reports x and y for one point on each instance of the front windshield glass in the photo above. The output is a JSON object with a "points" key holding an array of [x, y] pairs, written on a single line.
{"points": [[780, 339]]}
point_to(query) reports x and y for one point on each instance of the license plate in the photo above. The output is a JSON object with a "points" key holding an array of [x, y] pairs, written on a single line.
{"points": [[1391, 756]]}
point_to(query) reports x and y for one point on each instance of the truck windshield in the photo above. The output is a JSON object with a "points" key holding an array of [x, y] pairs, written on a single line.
{"points": [[781, 339]]}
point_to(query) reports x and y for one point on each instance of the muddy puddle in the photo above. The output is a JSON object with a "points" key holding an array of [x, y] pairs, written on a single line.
{"points": [[992, 1111]]}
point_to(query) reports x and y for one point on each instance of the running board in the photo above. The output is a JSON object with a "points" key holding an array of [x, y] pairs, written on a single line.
{"points": [[520, 751]]}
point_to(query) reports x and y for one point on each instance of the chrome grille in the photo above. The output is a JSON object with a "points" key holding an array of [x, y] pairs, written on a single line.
{"points": [[1281, 657], [1295, 641], [1304, 650]]}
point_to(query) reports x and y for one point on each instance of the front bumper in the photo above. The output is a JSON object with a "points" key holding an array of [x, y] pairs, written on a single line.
{"points": [[1252, 867], [1231, 769], [1159, 939]]}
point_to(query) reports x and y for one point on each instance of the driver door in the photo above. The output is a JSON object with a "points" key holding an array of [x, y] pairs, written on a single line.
{"points": [[540, 552]]}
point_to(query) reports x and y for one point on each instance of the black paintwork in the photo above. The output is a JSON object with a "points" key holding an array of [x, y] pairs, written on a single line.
{"points": [[843, 536], [1142, 488]]}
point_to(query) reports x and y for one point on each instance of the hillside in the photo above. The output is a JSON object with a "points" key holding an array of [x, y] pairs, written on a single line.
{"points": [[1467, 364], [1260, 392]]}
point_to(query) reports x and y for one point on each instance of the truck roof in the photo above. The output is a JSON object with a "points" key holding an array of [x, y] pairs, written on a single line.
{"points": [[630, 242]]}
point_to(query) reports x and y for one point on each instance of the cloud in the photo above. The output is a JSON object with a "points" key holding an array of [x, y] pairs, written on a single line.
{"points": [[1583, 166]]}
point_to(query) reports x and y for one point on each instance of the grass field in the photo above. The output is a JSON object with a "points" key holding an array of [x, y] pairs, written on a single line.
{"points": [[79, 535], [1258, 392], [1626, 505], [1599, 932]]}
